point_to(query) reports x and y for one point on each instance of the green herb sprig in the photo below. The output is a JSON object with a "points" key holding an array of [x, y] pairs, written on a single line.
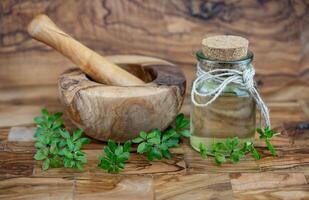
{"points": [[114, 156], [267, 135], [55, 146], [71, 152], [47, 137], [230, 149], [156, 144]]}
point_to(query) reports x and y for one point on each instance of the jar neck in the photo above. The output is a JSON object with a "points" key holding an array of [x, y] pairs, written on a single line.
{"points": [[207, 64]]}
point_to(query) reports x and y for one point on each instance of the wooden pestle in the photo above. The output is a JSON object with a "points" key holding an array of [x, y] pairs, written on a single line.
{"points": [[101, 70]]}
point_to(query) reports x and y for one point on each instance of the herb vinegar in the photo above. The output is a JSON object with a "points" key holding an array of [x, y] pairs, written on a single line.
{"points": [[227, 117], [231, 112]]}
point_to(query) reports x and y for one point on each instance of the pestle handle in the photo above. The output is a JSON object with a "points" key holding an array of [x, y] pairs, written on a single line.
{"points": [[101, 70]]}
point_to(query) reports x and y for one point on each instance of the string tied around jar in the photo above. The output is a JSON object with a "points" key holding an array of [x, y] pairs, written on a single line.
{"points": [[224, 77]]}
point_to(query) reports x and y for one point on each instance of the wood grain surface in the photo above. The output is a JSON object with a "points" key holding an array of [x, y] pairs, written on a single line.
{"points": [[278, 32]]}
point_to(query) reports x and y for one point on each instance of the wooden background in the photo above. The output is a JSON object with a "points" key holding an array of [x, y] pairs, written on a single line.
{"points": [[278, 31], [170, 29]]}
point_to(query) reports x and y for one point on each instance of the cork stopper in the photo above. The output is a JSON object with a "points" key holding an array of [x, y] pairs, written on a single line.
{"points": [[225, 47]]}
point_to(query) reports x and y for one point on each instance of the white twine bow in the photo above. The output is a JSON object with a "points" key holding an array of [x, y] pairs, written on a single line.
{"points": [[224, 77]]}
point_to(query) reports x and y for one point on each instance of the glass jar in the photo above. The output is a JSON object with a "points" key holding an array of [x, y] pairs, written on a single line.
{"points": [[231, 114]]}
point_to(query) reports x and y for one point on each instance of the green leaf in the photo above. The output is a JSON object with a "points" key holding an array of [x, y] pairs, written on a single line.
{"points": [[235, 141], [58, 115], [45, 112], [235, 156], [55, 162], [79, 153], [203, 150], [112, 145], [77, 134], [38, 132], [104, 163], [45, 164], [247, 146], [123, 157], [57, 124], [163, 146], [154, 140], [137, 140], [153, 134], [80, 166], [169, 133], [143, 135], [70, 144], [67, 153], [142, 147], [116, 170], [255, 153], [68, 163], [109, 153], [260, 131], [269, 133], [40, 155], [38, 120], [62, 143], [39, 145], [185, 133], [218, 146], [85, 140], [45, 139], [65, 134], [219, 158], [173, 142], [53, 147], [184, 124], [270, 147], [229, 144], [166, 153], [179, 120], [121, 165], [154, 153], [127, 146], [119, 150]]}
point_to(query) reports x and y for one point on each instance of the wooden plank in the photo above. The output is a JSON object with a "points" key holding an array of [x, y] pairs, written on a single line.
{"points": [[193, 186], [16, 164], [21, 134], [269, 186], [285, 112], [289, 159], [114, 187], [298, 192], [251, 181], [23, 115], [14, 146], [18, 115], [37, 188], [297, 132], [35, 94]]}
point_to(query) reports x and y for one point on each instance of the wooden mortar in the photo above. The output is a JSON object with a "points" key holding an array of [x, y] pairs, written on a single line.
{"points": [[111, 101], [120, 113]]}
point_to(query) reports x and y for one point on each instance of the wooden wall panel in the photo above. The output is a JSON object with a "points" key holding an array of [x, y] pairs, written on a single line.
{"points": [[171, 29]]}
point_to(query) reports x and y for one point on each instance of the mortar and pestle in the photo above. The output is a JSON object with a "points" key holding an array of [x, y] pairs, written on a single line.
{"points": [[114, 97]]}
